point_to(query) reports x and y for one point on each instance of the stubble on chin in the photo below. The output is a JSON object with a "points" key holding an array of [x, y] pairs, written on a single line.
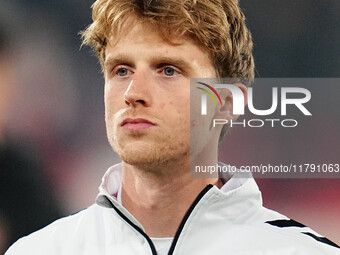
{"points": [[152, 156]]}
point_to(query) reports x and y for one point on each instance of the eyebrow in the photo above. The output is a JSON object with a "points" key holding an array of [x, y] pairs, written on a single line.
{"points": [[114, 60], [156, 61]]}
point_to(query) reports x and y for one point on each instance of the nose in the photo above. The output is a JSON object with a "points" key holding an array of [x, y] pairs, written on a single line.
{"points": [[139, 91]]}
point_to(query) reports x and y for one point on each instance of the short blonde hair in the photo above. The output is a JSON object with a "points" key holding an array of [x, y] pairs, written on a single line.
{"points": [[216, 25]]}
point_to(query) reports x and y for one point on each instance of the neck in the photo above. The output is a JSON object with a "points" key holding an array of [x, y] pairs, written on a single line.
{"points": [[152, 197]]}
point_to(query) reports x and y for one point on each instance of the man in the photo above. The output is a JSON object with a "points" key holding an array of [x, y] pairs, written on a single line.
{"points": [[149, 204]]}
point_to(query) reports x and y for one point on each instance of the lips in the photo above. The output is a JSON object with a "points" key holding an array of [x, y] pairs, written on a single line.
{"points": [[136, 124]]}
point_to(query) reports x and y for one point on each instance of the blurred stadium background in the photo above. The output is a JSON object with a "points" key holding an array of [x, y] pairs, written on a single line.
{"points": [[52, 111]]}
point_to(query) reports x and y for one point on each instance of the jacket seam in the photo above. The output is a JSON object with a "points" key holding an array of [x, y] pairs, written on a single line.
{"points": [[137, 228], [186, 217]]}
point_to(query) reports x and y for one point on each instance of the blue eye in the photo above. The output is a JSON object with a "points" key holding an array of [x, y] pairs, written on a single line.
{"points": [[168, 71], [122, 72]]}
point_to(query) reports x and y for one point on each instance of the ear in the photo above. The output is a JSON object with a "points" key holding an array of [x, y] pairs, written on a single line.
{"points": [[226, 110]]}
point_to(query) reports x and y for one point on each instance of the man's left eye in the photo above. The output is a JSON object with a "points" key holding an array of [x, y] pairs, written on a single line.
{"points": [[168, 71]]}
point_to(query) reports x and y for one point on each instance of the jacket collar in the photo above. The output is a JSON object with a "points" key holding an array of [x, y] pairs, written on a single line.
{"points": [[238, 194]]}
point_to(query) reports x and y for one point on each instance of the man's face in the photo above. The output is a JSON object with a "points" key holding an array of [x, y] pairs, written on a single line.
{"points": [[147, 94]]}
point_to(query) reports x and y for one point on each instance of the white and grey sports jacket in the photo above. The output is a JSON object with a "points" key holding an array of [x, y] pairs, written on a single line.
{"points": [[230, 221]]}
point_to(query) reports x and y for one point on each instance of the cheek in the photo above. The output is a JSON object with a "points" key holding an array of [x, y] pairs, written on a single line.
{"points": [[183, 116], [109, 110], [113, 101], [162, 106], [177, 116]]}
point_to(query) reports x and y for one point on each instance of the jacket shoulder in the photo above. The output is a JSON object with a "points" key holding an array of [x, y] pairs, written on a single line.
{"points": [[51, 239], [278, 230]]}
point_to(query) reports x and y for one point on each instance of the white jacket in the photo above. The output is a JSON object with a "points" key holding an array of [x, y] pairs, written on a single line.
{"points": [[230, 221]]}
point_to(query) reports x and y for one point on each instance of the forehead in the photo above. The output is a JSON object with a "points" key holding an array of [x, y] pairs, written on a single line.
{"points": [[138, 41], [143, 33], [134, 28]]}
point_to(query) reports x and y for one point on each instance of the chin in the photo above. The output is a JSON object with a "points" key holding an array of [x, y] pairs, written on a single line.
{"points": [[150, 154]]}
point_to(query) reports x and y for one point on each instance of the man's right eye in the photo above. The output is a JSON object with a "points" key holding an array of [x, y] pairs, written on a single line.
{"points": [[122, 72]]}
